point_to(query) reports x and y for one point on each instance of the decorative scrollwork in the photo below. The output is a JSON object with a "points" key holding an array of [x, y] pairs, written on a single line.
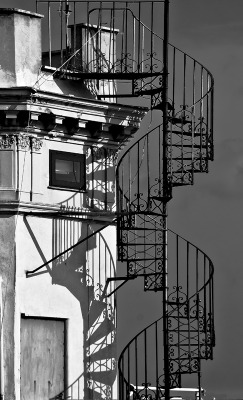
{"points": [[36, 144], [177, 296], [197, 310], [153, 282], [23, 142], [7, 141], [132, 268], [156, 190]]}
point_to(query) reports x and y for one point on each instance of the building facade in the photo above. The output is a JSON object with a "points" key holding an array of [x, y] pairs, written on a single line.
{"points": [[75, 86]]}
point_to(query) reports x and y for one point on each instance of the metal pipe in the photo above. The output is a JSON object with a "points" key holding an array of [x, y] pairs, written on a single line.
{"points": [[165, 200], [49, 31], [31, 170]]}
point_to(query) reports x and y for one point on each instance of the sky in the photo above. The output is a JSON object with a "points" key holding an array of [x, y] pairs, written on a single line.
{"points": [[210, 214]]}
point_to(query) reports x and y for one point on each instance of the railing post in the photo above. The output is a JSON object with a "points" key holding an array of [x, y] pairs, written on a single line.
{"points": [[166, 192]]}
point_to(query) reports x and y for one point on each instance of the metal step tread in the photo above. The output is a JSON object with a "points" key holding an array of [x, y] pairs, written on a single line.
{"points": [[108, 75]]}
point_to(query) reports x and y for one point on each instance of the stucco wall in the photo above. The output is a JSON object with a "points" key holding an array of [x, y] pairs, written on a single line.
{"points": [[33, 174], [20, 50], [60, 290]]}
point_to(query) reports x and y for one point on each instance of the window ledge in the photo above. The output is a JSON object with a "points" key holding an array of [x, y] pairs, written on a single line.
{"points": [[66, 189]]}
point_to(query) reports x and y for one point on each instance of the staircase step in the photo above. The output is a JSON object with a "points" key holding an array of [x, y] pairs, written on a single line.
{"points": [[130, 244], [189, 344], [104, 329], [192, 146], [175, 184], [160, 106], [108, 75], [185, 170], [148, 91], [198, 171], [183, 159], [180, 182], [176, 303], [182, 121], [158, 198], [134, 228], [138, 260], [186, 133]]}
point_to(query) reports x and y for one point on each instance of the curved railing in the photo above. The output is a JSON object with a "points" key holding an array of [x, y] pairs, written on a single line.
{"points": [[191, 328], [189, 141], [142, 174]]}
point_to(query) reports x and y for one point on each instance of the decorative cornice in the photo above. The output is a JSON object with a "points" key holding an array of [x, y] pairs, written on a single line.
{"points": [[23, 142], [57, 114], [62, 105]]}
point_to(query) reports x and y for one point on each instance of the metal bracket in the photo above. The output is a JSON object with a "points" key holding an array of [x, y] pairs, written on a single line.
{"points": [[118, 278]]}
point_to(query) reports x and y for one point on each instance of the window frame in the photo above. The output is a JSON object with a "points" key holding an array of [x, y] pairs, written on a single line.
{"points": [[63, 155]]}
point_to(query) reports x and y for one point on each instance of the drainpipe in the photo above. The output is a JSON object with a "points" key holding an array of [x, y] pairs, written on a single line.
{"points": [[31, 169]]}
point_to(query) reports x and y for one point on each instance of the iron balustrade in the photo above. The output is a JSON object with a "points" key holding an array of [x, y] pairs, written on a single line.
{"points": [[190, 322], [120, 50]]}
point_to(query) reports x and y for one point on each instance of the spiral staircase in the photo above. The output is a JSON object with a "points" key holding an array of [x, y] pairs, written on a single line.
{"points": [[138, 62]]}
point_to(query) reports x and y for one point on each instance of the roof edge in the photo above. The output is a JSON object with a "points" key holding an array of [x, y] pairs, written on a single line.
{"points": [[9, 11]]}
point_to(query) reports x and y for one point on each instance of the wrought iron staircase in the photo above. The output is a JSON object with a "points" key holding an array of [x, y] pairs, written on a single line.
{"points": [[126, 59], [190, 327]]}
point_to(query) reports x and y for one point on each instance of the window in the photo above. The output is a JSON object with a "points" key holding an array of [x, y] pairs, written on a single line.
{"points": [[7, 169], [67, 170]]}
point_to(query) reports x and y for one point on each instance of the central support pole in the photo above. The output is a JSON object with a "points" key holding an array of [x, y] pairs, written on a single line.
{"points": [[166, 197]]}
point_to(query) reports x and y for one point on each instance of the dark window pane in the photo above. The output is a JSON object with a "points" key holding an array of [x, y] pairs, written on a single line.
{"points": [[67, 170]]}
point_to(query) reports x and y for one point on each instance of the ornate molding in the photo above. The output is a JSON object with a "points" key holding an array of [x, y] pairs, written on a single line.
{"points": [[36, 144], [7, 142], [23, 142]]}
